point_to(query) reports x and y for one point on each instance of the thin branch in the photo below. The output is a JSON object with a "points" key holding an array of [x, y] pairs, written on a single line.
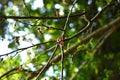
{"points": [[43, 25], [21, 49], [6, 73], [68, 16], [103, 9], [19, 68], [78, 34], [62, 60], [104, 39], [91, 21], [50, 48], [44, 67], [26, 7], [79, 68], [49, 27], [62, 49], [40, 18]]}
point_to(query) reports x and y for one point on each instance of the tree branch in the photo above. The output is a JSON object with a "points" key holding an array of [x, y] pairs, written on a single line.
{"points": [[106, 35], [91, 21], [21, 49], [6, 73], [114, 24], [41, 18], [44, 68], [26, 8], [19, 68]]}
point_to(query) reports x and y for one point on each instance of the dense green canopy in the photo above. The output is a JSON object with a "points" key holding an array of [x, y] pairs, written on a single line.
{"points": [[59, 39]]}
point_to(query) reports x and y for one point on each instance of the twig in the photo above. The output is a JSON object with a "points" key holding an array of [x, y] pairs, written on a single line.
{"points": [[68, 16], [63, 33], [79, 68], [43, 69], [21, 49], [50, 48], [104, 38], [26, 7], [62, 60], [103, 9], [78, 34], [43, 25], [49, 27], [40, 18], [16, 68], [91, 21], [19, 68]]}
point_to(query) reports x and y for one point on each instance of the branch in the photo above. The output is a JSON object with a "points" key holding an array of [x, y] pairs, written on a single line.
{"points": [[19, 68], [106, 35], [98, 46], [44, 68], [91, 21], [63, 33], [41, 24], [68, 16], [103, 9], [21, 49], [114, 24], [26, 7], [6, 73], [79, 68], [40, 18]]}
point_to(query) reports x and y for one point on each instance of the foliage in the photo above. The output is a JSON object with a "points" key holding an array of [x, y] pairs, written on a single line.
{"points": [[32, 34]]}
